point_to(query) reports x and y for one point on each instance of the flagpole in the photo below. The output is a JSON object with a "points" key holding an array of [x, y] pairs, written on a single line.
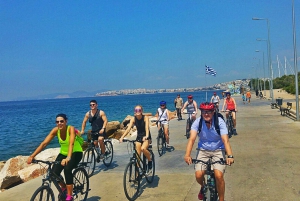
{"points": [[205, 85]]}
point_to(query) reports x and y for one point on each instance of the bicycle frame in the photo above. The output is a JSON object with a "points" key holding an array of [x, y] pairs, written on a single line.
{"points": [[136, 158], [210, 184]]}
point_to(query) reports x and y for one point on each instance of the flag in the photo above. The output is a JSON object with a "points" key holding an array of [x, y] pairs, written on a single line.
{"points": [[210, 71]]}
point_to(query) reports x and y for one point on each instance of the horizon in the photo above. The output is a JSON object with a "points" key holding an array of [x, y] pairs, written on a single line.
{"points": [[56, 47]]}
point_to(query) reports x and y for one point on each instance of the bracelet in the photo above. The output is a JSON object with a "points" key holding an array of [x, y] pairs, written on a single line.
{"points": [[68, 158], [230, 156]]}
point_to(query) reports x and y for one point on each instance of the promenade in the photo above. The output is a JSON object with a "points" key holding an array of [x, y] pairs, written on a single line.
{"points": [[266, 166]]}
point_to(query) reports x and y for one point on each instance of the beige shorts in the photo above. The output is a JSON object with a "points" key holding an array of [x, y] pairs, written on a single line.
{"points": [[204, 155]]}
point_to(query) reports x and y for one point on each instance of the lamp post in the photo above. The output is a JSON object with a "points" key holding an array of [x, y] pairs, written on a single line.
{"points": [[295, 62], [269, 56], [263, 70]]}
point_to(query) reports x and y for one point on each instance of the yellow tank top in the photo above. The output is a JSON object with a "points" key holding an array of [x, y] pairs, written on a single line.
{"points": [[64, 144]]}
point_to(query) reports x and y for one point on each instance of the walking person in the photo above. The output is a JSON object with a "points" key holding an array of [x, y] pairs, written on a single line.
{"points": [[98, 121], [70, 153], [178, 105], [163, 115], [248, 96], [143, 133], [211, 144]]}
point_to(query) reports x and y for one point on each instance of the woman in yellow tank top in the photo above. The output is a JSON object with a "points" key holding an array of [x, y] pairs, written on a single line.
{"points": [[70, 151]]}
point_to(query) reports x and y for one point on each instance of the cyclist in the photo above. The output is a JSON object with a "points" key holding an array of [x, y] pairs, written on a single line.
{"points": [[231, 106], [163, 115], [211, 144], [191, 107], [143, 133], [215, 99], [178, 105], [70, 151], [98, 121]]}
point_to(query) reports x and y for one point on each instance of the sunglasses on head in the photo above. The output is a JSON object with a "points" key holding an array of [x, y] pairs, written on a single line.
{"points": [[138, 110], [60, 121]]}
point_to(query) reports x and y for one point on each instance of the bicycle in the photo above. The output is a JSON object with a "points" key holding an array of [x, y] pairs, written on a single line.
{"points": [[189, 123], [89, 155], [210, 189], [161, 139], [135, 170], [229, 123], [45, 192]]}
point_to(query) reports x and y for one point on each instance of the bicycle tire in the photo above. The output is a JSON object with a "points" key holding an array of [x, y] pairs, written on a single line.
{"points": [[81, 184], [131, 181], [160, 142], [89, 158], [230, 126], [109, 153], [43, 193], [187, 134], [150, 175]]}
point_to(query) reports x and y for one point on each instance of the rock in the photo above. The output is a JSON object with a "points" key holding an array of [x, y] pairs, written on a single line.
{"points": [[117, 135], [2, 163], [9, 176], [125, 122], [16, 170], [112, 127]]}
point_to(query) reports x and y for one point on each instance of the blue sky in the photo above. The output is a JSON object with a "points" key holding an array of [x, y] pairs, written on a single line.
{"points": [[66, 46]]}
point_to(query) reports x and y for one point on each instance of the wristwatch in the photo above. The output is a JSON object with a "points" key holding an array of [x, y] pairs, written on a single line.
{"points": [[230, 156]]}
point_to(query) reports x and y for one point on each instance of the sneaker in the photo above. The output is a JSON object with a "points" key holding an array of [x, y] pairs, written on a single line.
{"points": [[102, 156], [201, 194], [234, 132], [168, 146], [98, 159], [69, 198]]}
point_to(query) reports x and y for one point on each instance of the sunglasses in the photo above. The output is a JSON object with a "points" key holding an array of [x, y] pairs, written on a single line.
{"points": [[206, 111], [162, 105], [60, 121], [92, 105], [137, 110]]}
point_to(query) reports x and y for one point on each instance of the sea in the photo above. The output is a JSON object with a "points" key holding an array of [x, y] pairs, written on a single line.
{"points": [[25, 124]]}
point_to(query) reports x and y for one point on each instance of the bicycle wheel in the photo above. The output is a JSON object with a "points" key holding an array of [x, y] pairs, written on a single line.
{"points": [[43, 193], [109, 153], [187, 134], [150, 173], [160, 142], [131, 181], [89, 158], [81, 184], [229, 128]]}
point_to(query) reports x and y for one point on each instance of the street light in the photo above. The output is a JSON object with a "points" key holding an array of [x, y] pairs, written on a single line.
{"points": [[263, 70], [295, 61], [269, 56]]}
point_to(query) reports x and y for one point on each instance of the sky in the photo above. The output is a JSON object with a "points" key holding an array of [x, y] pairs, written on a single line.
{"points": [[66, 46]]}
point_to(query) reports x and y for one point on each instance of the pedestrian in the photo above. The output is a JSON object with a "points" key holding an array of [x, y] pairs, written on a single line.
{"points": [[248, 96], [244, 98], [178, 105]]}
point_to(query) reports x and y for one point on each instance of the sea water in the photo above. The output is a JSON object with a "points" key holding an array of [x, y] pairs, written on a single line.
{"points": [[25, 124]]}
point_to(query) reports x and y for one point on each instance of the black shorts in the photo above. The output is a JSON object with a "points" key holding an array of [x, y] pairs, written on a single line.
{"points": [[96, 135], [139, 138]]}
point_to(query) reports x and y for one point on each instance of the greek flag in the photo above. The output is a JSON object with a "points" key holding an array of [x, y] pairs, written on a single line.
{"points": [[210, 71]]}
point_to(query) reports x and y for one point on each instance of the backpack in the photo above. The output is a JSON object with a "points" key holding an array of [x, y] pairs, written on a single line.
{"points": [[216, 122]]}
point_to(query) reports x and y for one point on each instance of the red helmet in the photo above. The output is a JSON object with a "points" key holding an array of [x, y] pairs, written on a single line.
{"points": [[207, 106], [190, 97]]}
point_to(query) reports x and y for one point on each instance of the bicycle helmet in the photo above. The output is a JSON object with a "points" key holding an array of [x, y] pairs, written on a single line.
{"points": [[162, 103], [190, 97], [207, 106], [228, 93]]}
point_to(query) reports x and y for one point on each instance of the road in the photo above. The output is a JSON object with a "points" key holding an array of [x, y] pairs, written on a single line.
{"points": [[266, 166]]}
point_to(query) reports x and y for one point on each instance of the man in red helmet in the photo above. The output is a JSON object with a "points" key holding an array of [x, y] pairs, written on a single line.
{"points": [[211, 145]]}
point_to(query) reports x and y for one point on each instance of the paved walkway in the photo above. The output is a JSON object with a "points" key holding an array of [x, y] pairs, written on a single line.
{"points": [[266, 166]]}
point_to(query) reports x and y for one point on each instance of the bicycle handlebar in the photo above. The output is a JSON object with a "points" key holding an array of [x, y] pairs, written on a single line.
{"points": [[46, 162], [221, 161]]}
